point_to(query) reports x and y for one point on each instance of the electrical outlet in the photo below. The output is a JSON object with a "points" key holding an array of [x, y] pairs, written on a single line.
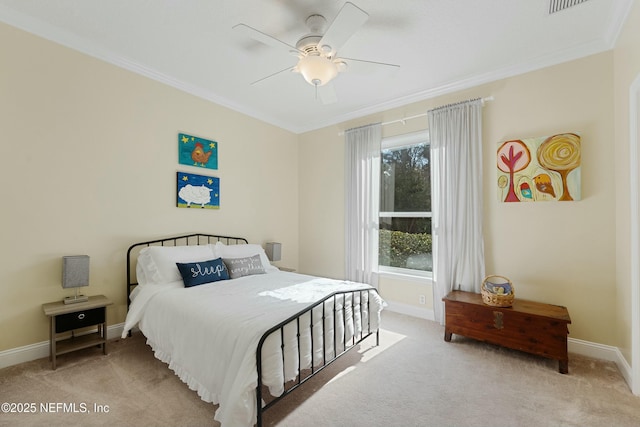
{"points": [[423, 299]]}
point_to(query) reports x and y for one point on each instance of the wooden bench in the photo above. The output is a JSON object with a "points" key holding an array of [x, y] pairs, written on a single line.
{"points": [[527, 326]]}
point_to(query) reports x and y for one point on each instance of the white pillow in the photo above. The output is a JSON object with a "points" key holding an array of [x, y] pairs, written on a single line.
{"points": [[141, 277], [243, 251], [158, 263]]}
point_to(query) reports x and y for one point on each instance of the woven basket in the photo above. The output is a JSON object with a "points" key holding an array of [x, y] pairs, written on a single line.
{"points": [[493, 299]]}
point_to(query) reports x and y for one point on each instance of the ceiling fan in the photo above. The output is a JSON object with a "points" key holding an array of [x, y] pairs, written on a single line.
{"points": [[317, 51]]}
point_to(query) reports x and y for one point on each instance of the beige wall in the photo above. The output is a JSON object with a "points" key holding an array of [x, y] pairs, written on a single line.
{"points": [[627, 69], [321, 186], [88, 165], [89, 159], [560, 253]]}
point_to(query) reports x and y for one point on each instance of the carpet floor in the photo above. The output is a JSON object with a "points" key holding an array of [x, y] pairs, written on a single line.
{"points": [[414, 378]]}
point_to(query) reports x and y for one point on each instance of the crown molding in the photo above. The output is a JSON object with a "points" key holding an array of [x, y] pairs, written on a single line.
{"points": [[566, 55], [621, 10], [69, 40]]}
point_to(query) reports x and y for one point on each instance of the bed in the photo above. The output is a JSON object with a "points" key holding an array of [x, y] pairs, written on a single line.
{"points": [[236, 329]]}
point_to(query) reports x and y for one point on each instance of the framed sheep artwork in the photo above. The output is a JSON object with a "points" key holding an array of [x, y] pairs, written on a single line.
{"points": [[199, 152], [197, 191]]}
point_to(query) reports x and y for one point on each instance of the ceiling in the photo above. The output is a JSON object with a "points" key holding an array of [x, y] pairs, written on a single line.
{"points": [[440, 45]]}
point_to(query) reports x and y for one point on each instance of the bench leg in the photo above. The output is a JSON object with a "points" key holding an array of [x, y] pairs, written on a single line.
{"points": [[563, 366]]}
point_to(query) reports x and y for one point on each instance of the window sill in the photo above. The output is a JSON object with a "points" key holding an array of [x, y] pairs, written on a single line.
{"points": [[426, 277]]}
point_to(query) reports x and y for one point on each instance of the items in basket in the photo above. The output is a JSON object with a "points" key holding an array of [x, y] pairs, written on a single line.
{"points": [[498, 288], [497, 291]]}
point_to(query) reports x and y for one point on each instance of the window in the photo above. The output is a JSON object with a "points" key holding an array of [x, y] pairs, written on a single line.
{"points": [[405, 205]]}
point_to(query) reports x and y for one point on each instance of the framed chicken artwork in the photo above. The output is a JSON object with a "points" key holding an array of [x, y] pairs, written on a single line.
{"points": [[540, 169], [198, 152]]}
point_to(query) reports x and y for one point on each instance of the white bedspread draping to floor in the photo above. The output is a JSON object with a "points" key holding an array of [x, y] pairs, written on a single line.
{"points": [[209, 334]]}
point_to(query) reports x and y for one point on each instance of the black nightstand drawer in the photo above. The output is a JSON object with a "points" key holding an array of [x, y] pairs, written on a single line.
{"points": [[79, 319]]}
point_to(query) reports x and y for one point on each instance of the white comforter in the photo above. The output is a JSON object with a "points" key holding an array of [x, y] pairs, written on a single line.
{"points": [[208, 334]]}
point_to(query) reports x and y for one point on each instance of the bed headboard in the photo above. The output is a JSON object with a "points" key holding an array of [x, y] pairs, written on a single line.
{"points": [[185, 240]]}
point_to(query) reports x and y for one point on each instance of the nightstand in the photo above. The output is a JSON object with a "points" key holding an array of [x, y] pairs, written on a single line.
{"points": [[68, 317]]}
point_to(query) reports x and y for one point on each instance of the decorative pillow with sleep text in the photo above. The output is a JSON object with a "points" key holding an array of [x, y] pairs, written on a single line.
{"points": [[198, 273], [247, 266]]}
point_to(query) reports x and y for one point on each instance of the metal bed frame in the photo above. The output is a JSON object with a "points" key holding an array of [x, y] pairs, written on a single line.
{"points": [[186, 240], [332, 300], [301, 378]]}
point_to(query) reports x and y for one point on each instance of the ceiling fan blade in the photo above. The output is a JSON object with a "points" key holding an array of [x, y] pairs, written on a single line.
{"points": [[264, 38], [327, 94], [346, 23], [362, 66], [271, 75]]}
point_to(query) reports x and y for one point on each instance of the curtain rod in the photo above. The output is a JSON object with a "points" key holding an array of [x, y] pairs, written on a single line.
{"points": [[404, 119]]}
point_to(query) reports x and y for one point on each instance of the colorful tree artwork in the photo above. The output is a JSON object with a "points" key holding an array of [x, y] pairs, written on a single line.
{"points": [[561, 154], [513, 156], [553, 173]]}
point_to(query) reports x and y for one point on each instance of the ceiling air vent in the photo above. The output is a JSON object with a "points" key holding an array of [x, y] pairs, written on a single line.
{"points": [[558, 5]]}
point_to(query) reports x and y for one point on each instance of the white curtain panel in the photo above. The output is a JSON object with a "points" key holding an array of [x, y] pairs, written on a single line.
{"points": [[456, 154], [362, 192]]}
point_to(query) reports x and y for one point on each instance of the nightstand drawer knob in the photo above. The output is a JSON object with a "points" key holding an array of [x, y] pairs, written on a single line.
{"points": [[80, 316]]}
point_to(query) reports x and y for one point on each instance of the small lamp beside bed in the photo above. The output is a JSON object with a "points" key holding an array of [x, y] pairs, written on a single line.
{"points": [[75, 274], [273, 251]]}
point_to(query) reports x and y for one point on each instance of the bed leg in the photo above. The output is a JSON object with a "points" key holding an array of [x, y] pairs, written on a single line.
{"points": [[377, 337], [259, 394]]}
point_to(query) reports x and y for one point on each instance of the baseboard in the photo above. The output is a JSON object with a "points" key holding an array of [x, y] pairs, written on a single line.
{"points": [[585, 348], [601, 351], [410, 310], [590, 349], [39, 350], [576, 346]]}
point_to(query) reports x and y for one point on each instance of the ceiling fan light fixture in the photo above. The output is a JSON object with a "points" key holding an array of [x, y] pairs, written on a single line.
{"points": [[341, 65], [317, 70]]}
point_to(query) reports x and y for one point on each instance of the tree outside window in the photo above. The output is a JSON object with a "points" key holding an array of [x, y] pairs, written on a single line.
{"points": [[405, 204]]}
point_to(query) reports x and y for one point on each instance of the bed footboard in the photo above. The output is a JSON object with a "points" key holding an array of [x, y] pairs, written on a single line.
{"points": [[320, 334]]}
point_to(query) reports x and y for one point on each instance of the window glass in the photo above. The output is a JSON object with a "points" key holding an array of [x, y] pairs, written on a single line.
{"points": [[406, 179], [405, 205], [405, 243]]}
